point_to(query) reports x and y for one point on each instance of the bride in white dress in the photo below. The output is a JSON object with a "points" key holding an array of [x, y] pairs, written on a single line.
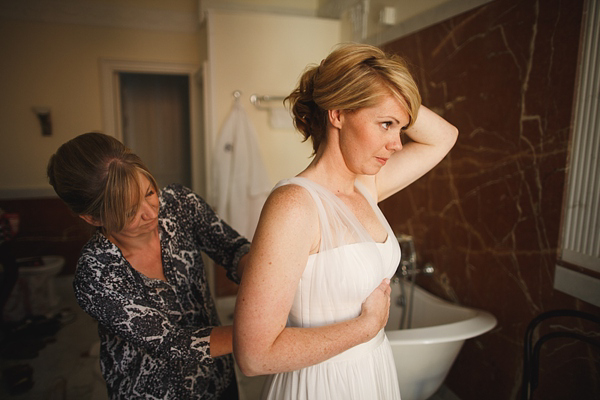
{"points": [[315, 296]]}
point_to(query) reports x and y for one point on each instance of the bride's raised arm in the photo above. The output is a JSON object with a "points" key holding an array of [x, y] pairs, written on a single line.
{"points": [[431, 138]]}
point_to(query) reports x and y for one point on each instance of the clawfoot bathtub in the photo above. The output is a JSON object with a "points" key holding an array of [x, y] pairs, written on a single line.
{"points": [[424, 353]]}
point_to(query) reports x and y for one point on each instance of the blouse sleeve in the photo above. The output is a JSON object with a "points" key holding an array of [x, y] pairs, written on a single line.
{"points": [[223, 244], [114, 299]]}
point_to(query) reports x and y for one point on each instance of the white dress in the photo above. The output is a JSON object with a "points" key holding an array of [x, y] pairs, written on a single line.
{"points": [[333, 286]]}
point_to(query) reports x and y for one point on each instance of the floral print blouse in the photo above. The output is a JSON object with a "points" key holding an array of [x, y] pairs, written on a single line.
{"points": [[155, 335]]}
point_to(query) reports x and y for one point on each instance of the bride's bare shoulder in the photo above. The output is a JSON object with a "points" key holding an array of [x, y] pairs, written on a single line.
{"points": [[289, 216], [290, 199]]}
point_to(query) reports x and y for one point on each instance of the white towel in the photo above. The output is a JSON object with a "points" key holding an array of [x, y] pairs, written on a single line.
{"points": [[240, 183], [280, 118]]}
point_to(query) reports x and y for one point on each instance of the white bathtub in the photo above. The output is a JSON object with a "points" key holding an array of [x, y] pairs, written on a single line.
{"points": [[425, 353]]}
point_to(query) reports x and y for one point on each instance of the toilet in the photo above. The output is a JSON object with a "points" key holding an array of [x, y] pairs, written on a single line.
{"points": [[34, 292]]}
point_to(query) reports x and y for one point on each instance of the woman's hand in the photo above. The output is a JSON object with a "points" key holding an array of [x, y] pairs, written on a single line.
{"points": [[376, 308]]}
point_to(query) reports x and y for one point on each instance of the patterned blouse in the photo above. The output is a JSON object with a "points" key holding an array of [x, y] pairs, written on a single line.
{"points": [[155, 334]]}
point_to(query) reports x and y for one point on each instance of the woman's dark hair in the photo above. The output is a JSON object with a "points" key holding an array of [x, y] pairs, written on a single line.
{"points": [[97, 175]]}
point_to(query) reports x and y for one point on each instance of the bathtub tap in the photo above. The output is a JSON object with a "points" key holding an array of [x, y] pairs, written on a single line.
{"points": [[403, 271]]}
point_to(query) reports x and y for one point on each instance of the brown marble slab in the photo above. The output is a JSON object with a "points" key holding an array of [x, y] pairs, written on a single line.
{"points": [[488, 217]]}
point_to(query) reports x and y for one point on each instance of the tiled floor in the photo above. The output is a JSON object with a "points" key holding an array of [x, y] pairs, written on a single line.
{"points": [[67, 367]]}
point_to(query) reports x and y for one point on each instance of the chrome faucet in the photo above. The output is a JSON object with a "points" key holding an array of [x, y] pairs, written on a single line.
{"points": [[408, 259], [406, 272]]}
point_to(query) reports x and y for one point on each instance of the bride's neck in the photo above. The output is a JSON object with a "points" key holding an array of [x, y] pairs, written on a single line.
{"points": [[329, 170]]}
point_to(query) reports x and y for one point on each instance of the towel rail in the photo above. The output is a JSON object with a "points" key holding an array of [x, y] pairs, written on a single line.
{"points": [[258, 100]]}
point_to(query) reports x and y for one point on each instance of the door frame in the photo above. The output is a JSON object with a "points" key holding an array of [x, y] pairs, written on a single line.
{"points": [[111, 107]]}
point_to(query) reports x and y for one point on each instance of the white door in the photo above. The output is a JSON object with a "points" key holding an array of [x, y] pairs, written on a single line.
{"points": [[155, 118]]}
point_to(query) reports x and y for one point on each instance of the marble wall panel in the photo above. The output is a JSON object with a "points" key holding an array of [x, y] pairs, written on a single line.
{"points": [[488, 217]]}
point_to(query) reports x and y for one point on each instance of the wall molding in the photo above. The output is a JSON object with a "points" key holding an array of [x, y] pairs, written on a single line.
{"points": [[111, 106], [27, 193], [576, 284], [221, 5], [427, 18], [99, 14]]}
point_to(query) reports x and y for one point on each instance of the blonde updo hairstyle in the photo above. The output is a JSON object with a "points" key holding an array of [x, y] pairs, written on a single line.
{"points": [[353, 76]]}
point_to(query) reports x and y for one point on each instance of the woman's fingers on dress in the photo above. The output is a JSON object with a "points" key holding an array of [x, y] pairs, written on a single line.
{"points": [[385, 287]]}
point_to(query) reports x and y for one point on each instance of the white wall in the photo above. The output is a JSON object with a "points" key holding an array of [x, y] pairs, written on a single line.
{"points": [[57, 65], [265, 54]]}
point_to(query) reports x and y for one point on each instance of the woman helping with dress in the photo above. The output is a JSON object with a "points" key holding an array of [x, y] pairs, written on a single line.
{"points": [[142, 277], [315, 295]]}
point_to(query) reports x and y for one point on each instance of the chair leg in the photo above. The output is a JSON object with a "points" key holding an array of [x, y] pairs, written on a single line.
{"points": [[535, 361], [527, 387]]}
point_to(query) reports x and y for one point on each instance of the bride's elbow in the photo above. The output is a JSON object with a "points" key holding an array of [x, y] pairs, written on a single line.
{"points": [[250, 362], [448, 139], [249, 372], [452, 135]]}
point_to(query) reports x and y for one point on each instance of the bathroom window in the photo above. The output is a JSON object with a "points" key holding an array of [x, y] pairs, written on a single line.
{"points": [[581, 220], [580, 241]]}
